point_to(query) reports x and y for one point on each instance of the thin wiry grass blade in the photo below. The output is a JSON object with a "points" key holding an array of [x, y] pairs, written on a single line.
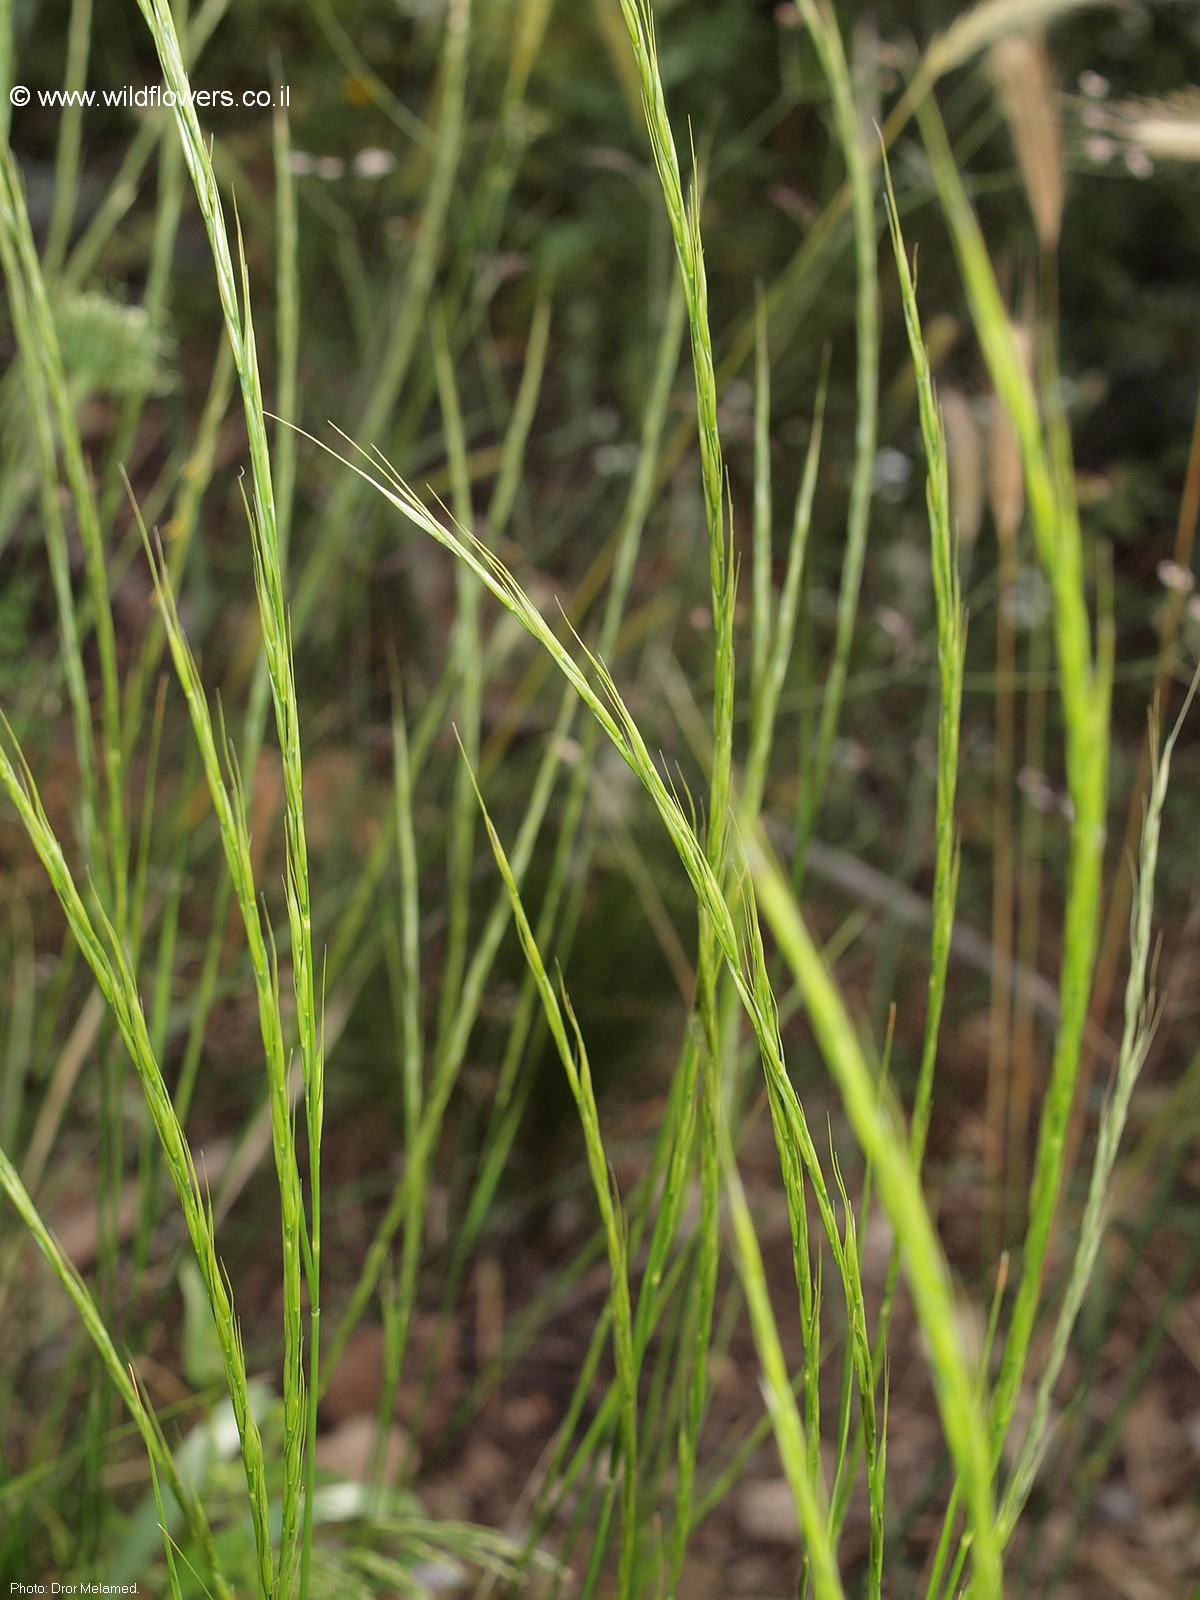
{"points": [[568, 1042]]}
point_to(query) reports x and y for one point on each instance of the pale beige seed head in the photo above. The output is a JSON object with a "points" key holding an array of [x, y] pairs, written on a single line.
{"points": [[1024, 79], [1160, 130]]}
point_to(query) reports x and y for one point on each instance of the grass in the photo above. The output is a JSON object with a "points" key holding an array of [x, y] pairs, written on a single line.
{"points": [[633, 1469]]}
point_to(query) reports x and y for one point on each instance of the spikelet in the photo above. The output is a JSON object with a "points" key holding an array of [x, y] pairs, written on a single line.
{"points": [[1024, 80]]}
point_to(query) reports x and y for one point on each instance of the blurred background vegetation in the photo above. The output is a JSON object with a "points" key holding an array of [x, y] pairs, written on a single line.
{"points": [[570, 212]]}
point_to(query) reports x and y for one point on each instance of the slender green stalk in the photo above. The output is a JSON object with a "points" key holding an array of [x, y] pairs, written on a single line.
{"points": [[820, 1560], [956, 1385], [951, 645], [573, 1055], [270, 565], [56, 542], [123, 189], [287, 332], [761, 542], [1086, 692], [155, 303], [1029, 906], [6, 68], [468, 665], [404, 968], [448, 1064], [70, 133], [684, 217], [233, 290], [1136, 1036], [781, 633], [951, 634], [19, 1027], [856, 151], [178, 534], [463, 982], [229, 804], [571, 857], [412, 1043], [414, 293]]}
